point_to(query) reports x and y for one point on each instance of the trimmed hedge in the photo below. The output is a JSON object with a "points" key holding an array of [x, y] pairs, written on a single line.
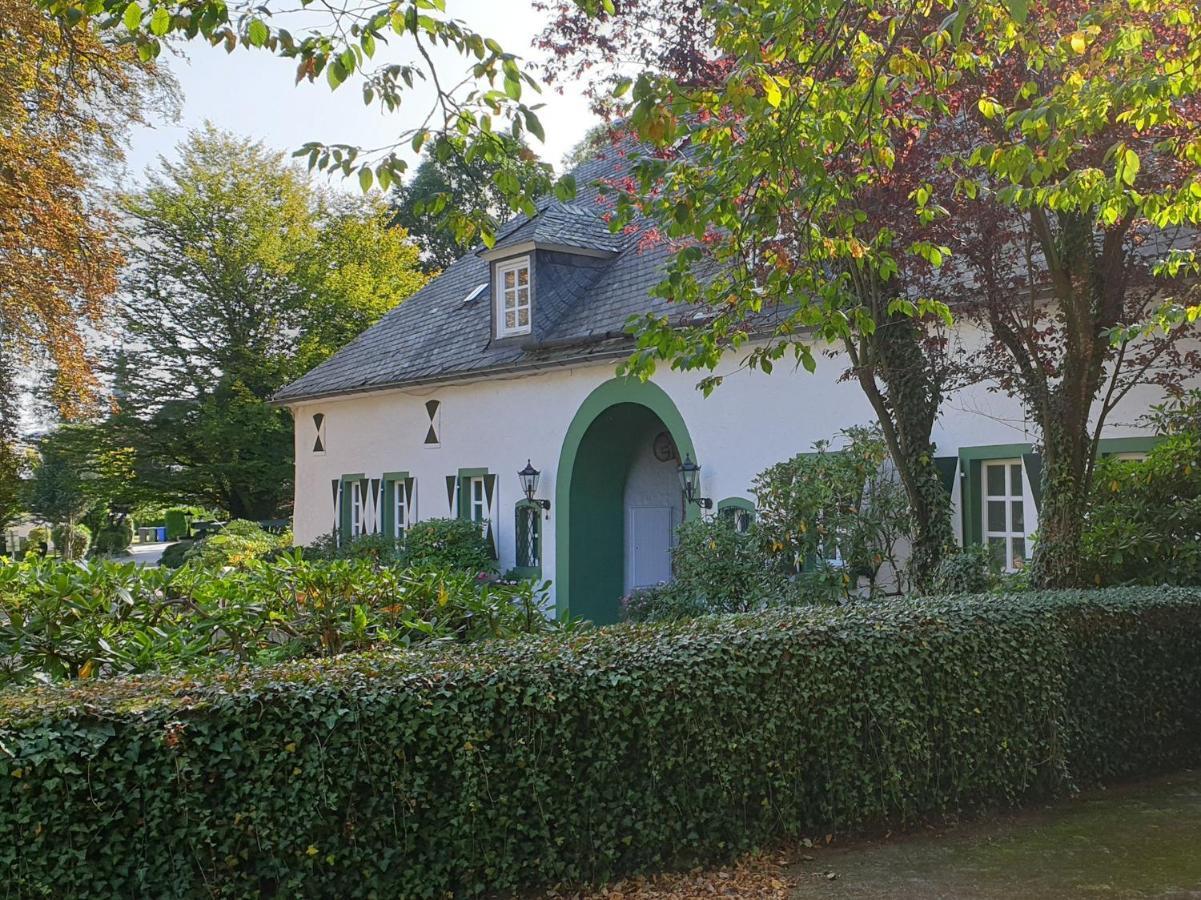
{"points": [[419, 774]]}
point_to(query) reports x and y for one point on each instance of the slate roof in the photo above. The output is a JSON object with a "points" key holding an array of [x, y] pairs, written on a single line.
{"points": [[569, 224], [435, 336]]}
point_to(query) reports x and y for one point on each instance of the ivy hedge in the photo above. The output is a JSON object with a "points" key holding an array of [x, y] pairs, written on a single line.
{"points": [[579, 756]]}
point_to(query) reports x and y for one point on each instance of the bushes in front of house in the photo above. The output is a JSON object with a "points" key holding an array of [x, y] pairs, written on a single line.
{"points": [[1144, 521], [89, 620], [460, 771], [716, 569], [431, 543], [238, 543]]}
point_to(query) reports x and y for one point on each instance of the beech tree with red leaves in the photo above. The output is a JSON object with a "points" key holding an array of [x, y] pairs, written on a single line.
{"points": [[856, 172]]}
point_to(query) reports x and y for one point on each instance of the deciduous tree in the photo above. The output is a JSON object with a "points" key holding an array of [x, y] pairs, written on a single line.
{"points": [[859, 165], [242, 275], [66, 96]]}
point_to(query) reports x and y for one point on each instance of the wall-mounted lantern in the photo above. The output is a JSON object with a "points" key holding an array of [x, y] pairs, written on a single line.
{"points": [[529, 485], [690, 483]]}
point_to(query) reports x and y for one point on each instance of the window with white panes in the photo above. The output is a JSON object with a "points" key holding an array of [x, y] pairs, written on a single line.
{"points": [[400, 507], [1006, 523], [357, 519], [513, 297], [478, 508]]}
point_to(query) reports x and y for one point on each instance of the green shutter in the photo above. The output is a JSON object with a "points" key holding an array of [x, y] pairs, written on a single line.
{"points": [[1033, 464], [947, 466], [970, 502], [451, 482]]}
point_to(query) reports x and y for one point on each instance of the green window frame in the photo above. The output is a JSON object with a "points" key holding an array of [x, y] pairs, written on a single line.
{"points": [[972, 462], [472, 495], [527, 532], [398, 486], [739, 510], [348, 486]]}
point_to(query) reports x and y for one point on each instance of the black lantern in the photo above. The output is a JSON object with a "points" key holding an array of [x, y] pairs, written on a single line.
{"points": [[690, 483], [529, 484]]}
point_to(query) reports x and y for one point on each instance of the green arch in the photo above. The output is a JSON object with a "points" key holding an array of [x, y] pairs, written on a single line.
{"points": [[589, 514]]}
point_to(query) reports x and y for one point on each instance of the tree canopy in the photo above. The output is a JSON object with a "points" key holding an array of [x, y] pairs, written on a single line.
{"points": [[480, 115], [442, 186], [66, 97], [242, 275], [855, 173]]}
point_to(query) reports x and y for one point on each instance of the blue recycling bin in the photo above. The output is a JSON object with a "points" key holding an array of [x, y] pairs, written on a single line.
{"points": [[161, 533]]}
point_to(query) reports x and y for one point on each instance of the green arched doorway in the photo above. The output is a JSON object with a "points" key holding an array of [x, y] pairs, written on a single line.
{"points": [[589, 489]]}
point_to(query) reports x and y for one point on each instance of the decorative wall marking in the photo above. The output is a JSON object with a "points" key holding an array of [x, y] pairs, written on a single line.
{"points": [[319, 424], [434, 409]]}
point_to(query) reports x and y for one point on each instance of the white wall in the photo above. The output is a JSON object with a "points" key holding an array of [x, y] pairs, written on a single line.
{"points": [[750, 422]]}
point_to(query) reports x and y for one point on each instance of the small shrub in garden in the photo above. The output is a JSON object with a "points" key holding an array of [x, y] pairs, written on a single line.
{"points": [[963, 572], [836, 517], [115, 537], [447, 544], [237, 544], [727, 568], [174, 555], [71, 541], [662, 603], [376, 547], [39, 537], [480, 769], [1144, 521], [177, 523]]}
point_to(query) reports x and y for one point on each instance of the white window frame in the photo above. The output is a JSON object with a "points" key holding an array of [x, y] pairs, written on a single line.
{"points": [[503, 295], [400, 508], [477, 500], [357, 517], [1008, 534]]}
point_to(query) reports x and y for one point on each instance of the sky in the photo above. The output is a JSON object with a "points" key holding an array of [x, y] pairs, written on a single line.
{"points": [[252, 93]]}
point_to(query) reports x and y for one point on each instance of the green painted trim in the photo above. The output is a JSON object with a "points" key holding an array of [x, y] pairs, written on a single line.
{"points": [[388, 516], [971, 509], [344, 501], [994, 451], [611, 393], [464, 510], [1128, 444], [735, 503], [518, 507]]}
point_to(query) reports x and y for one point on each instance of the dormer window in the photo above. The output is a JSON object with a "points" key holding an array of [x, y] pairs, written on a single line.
{"points": [[513, 297]]}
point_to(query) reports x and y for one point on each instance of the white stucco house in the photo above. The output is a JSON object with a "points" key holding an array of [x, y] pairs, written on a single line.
{"points": [[508, 358]]}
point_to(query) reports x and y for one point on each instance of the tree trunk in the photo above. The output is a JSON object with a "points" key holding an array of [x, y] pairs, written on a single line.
{"points": [[907, 408]]}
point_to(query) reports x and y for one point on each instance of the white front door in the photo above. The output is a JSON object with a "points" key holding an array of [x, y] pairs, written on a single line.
{"points": [[649, 531]]}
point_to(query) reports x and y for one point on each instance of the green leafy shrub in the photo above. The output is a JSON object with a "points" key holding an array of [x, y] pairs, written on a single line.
{"points": [[447, 544], [716, 569], [60, 620], [174, 555], [836, 518], [1144, 521], [71, 541], [39, 535], [116, 537], [376, 547], [238, 543], [461, 771], [178, 523], [964, 572], [662, 603]]}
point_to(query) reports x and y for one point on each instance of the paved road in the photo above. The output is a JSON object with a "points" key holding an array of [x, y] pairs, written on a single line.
{"points": [[147, 554]]}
